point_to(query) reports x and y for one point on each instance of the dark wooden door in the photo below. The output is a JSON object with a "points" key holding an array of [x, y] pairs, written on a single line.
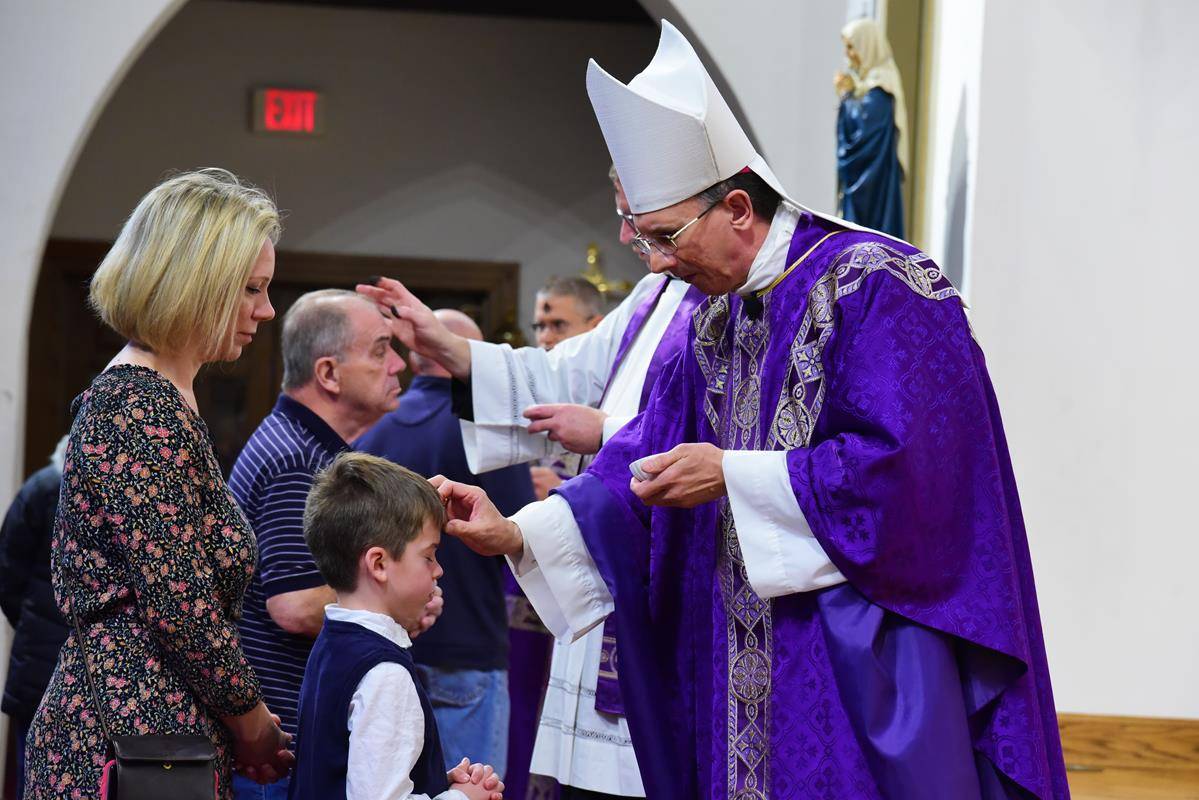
{"points": [[68, 346]]}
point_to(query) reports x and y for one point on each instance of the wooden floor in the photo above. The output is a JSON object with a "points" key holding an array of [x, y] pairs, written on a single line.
{"points": [[1126, 758], [1134, 784]]}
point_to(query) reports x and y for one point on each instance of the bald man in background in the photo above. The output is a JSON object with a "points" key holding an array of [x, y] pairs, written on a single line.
{"points": [[463, 659]]}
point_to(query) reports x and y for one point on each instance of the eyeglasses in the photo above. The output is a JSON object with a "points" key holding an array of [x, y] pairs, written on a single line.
{"points": [[628, 218], [666, 245]]}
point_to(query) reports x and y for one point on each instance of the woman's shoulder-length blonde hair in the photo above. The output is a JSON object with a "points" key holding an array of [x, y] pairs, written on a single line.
{"points": [[174, 277]]}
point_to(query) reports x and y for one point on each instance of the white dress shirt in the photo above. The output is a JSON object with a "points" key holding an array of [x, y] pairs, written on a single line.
{"points": [[780, 551], [386, 722]]}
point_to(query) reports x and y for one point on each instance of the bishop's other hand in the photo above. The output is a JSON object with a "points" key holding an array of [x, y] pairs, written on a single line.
{"points": [[683, 477], [473, 518]]}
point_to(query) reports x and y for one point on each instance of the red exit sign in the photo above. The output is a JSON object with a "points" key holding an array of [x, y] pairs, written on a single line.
{"points": [[295, 111]]}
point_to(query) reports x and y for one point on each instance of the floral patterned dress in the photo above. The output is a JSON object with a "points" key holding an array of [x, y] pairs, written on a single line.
{"points": [[153, 554]]}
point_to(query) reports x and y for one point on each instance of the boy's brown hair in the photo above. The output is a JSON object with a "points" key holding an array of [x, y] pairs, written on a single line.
{"points": [[361, 501]]}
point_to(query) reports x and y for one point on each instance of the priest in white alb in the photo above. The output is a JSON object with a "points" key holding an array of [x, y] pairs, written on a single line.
{"points": [[529, 403]]}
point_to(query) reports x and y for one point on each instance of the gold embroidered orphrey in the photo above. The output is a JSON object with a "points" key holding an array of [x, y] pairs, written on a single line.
{"points": [[732, 405]]}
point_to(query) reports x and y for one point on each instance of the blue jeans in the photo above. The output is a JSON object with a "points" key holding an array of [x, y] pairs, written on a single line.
{"points": [[471, 708], [246, 789]]}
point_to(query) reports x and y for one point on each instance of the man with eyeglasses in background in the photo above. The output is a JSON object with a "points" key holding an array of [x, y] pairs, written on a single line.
{"points": [[565, 307]]}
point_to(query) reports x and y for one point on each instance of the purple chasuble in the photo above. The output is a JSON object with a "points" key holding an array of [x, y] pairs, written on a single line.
{"points": [[922, 676], [674, 339]]}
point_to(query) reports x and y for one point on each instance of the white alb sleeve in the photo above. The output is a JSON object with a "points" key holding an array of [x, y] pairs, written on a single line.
{"points": [[781, 553], [557, 573]]}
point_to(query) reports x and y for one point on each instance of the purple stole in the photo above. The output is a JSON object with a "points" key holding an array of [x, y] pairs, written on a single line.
{"points": [[674, 339], [923, 675]]}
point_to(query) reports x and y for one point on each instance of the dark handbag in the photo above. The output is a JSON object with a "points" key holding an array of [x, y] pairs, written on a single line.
{"points": [[153, 767]]}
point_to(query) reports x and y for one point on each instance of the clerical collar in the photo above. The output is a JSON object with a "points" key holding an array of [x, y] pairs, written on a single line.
{"points": [[771, 259]]}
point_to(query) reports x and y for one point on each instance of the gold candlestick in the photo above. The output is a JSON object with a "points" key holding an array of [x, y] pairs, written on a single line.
{"points": [[594, 273]]}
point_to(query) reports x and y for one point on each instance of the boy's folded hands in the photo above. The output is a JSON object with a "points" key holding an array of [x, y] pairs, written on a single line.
{"points": [[476, 781]]}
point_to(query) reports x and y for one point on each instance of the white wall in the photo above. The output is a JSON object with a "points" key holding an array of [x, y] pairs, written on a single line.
{"points": [[59, 60], [1084, 299], [446, 136], [778, 58], [951, 148]]}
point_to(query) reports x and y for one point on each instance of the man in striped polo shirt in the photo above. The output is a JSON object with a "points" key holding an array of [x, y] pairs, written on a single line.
{"points": [[339, 378]]}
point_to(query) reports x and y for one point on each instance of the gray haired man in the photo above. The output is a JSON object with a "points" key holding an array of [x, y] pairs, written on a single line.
{"points": [[339, 378]]}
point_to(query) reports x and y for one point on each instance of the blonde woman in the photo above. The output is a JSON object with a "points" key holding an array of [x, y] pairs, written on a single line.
{"points": [[151, 553]]}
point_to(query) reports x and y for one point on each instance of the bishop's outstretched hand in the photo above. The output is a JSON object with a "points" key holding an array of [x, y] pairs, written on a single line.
{"points": [[416, 326], [473, 518]]}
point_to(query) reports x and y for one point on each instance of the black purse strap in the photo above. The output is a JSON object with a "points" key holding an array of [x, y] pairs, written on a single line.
{"points": [[87, 670]]}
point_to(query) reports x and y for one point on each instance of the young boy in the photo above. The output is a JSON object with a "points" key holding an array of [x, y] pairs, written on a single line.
{"points": [[366, 727]]}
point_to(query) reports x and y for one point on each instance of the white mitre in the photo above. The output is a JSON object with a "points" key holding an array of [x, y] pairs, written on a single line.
{"points": [[670, 133]]}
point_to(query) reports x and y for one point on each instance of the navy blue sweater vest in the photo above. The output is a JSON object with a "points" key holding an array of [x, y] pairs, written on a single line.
{"points": [[342, 655]]}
